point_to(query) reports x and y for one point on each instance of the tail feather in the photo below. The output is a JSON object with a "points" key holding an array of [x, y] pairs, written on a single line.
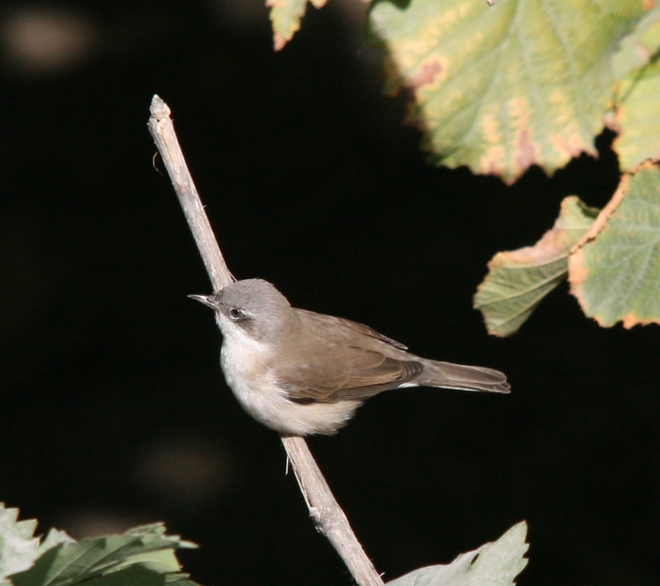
{"points": [[467, 378]]}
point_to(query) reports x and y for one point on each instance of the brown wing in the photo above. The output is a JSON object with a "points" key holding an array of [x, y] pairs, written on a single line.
{"points": [[335, 322], [367, 331], [381, 374], [361, 374], [342, 360]]}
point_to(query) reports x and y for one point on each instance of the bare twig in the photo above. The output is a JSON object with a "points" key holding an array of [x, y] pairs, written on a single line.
{"points": [[326, 512], [162, 130], [324, 509]]}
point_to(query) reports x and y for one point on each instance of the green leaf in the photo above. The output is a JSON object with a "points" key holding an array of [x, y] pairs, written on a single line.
{"points": [[638, 99], [493, 564], [140, 576], [504, 87], [616, 274], [285, 15], [18, 547], [147, 547], [639, 47], [137, 575], [638, 117], [519, 280], [55, 537]]}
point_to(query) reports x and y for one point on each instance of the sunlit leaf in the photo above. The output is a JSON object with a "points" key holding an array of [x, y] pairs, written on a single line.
{"points": [[638, 117], [18, 547], [638, 99], [504, 87], [639, 47], [148, 548], [493, 564], [519, 280], [616, 274]]}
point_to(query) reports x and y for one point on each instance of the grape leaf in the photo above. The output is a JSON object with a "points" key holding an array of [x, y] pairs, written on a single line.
{"points": [[504, 87], [493, 564], [519, 280]]}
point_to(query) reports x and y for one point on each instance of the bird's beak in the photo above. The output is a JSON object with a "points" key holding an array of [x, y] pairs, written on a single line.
{"points": [[208, 300]]}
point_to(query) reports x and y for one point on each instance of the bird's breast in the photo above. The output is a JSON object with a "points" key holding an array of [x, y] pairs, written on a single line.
{"points": [[251, 373]]}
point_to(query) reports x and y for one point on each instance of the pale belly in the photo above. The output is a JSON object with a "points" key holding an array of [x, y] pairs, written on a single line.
{"points": [[254, 385]]}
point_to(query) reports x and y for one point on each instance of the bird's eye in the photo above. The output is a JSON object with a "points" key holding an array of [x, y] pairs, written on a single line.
{"points": [[236, 314]]}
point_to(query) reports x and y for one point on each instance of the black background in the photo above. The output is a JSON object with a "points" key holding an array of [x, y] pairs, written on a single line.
{"points": [[114, 411]]}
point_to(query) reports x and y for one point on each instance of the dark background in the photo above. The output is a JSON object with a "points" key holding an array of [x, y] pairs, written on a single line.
{"points": [[114, 411]]}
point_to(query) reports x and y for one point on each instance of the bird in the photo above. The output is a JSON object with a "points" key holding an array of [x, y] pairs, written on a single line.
{"points": [[304, 373]]}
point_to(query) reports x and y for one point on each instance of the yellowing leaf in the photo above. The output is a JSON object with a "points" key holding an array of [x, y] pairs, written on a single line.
{"points": [[519, 280], [286, 16], [638, 117], [615, 273], [504, 87], [638, 99], [639, 47]]}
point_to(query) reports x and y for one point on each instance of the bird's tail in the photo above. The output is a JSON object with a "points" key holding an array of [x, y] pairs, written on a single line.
{"points": [[466, 378]]}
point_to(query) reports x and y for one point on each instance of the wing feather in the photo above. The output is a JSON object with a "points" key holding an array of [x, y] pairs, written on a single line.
{"points": [[341, 360], [365, 373]]}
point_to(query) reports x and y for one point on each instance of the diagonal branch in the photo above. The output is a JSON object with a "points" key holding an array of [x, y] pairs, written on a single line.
{"points": [[323, 508]]}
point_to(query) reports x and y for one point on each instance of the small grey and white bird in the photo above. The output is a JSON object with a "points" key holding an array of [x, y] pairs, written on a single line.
{"points": [[303, 373]]}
